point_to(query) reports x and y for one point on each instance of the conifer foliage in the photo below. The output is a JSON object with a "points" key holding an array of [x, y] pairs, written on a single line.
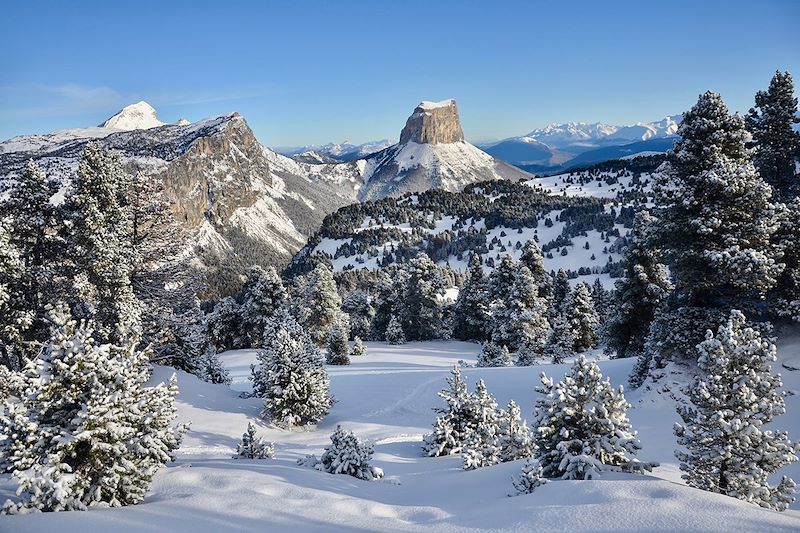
{"points": [[291, 377], [581, 426], [253, 446], [349, 455], [472, 320], [80, 428], [727, 449]]}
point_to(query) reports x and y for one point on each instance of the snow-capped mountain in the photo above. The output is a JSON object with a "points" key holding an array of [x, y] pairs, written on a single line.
{"points": [[244, 203], [138, 116], [432, 153], [559, 144], [344, 151]]}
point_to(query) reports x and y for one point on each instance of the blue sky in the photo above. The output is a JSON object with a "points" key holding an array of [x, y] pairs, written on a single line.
{"points": [[305, 72]]}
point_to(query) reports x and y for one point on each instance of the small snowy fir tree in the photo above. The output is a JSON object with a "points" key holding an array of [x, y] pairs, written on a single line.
{"points": [[581, 426], [560, 342], [481, 446], [521, 318], [530, 478], [529, 355], [320, 304], [582, 317], [347, 454], [561, 291], [291, 377], [358, 348], [253, 446], [421, 314], [532, 258], [338, 349], [514, 437], [394, 331], [727, 448], [358, 307], [213, 369], [454, 423], [493, 355], [82, 429], [472, 316]]}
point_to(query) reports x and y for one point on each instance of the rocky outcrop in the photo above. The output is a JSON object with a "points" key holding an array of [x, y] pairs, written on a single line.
{"points": [[433, 123]]}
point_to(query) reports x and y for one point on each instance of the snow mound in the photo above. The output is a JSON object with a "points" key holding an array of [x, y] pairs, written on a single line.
{"points": [[138, 116], [425, 104]]}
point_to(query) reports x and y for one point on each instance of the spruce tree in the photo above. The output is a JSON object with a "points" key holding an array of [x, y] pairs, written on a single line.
{"points": [[421, 313], [81, 427], [262, 295], [224, 326], [358, 348], [472, 314], [735, 395], [521, 319], [582, 317], [514, 437], [581, 426], [481, 445], [349, 455], [715, 216], [638, 294], [530, 478], [338, 350], [14, 321], [394, 331], [321, 304], [771, 122], [358, 307], [454, 424], [253, 446], [561, 290], [102, 223], [493, 355], [560, 343], [532, 258], [291, 377]]}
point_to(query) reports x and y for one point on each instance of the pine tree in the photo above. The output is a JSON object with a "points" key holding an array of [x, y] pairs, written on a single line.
{"points": [[514, 437], [224, 326], [253, 446], [359, 309], [347, 454], [31, 228], [530, 478], [528, 355], [582, 426], [561, 290], [421, 313], [291, 377], [481, 445], [715, 216], [262, 295], [389, 298], [521, 319], [84, 429], [322, 304], [394, 332], [532, 258], [728, 449], [358, 348], [338, 349], [472, 314], [454, 424], [771, 123], [213, 369], [100, 239], [560, 344], [582, 317], [601, 299], [502, 278], [493, 355], [638, 294]]}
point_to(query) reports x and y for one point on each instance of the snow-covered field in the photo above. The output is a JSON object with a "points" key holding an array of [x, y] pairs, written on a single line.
{"points": [[387, 397]]}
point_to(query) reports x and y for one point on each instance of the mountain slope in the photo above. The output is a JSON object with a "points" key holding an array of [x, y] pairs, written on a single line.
{"points": [[138, 116], [432, 153]]}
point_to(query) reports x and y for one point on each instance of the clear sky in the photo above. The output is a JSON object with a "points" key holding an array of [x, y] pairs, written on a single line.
{"points": [[305, 72]]}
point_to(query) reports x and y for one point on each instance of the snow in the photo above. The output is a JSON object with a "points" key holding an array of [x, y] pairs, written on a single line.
{"points": [[426, 105], [138, 116], [386, 397]]}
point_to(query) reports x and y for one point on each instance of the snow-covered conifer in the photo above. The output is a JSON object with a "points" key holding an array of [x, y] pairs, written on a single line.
{"points": [[481, 447], [472, 315], [421, 313], [262, 295], [514, 437], [394, 331], [561, 290], [530, 478], [581, 314], [772, 123], [532, 258], [321, 304], [81, 428], [581, 427], [560, 342], [338, 350], [454, 423], [529, 355], [493, 355], [347, 454], [224, 326], [358, 348], [291, 377], [358, 307], [253, 446], [728, 449]]}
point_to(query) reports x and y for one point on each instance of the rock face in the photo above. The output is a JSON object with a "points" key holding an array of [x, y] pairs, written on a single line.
{"points": [[242, 203], [432, 153], [433, 123]]}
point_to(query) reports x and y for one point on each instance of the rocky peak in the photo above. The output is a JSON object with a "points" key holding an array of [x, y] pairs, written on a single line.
{"points": [[138, 116], [433, 123]]}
